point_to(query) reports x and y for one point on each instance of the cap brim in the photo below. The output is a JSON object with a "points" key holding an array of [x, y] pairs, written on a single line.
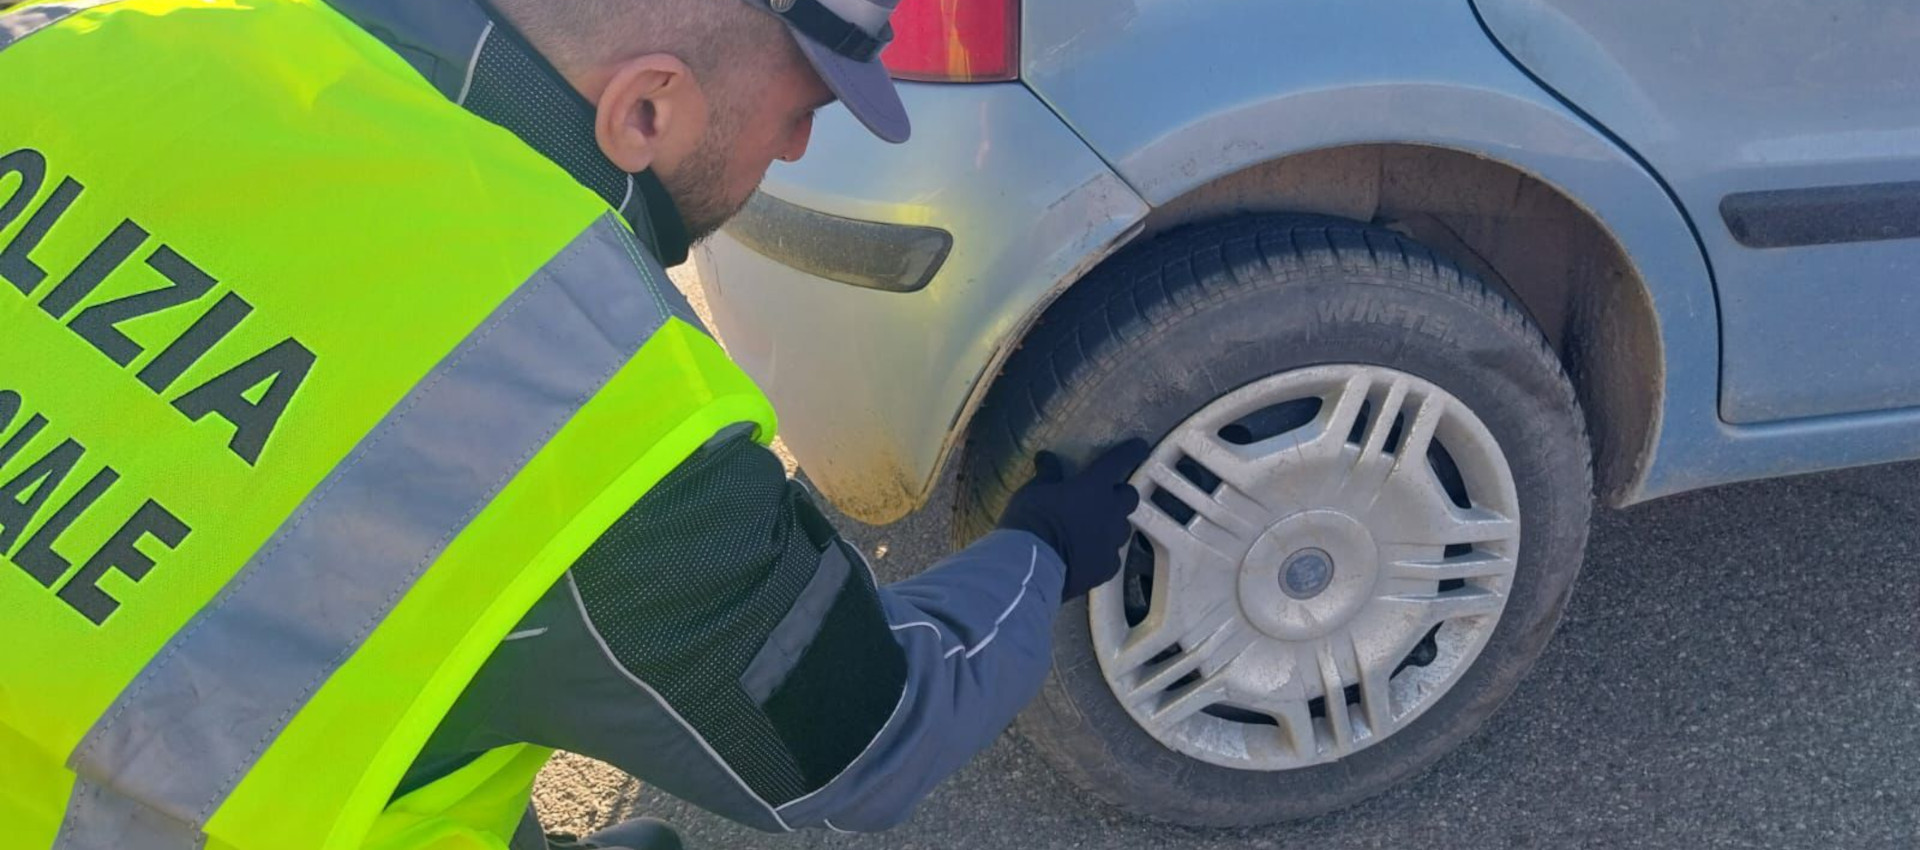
{"points": [[865, 87]]}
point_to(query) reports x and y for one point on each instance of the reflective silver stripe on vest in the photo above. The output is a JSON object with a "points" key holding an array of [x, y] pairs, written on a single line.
{"points": [[122, 823], [191, 725], [20, 23]]}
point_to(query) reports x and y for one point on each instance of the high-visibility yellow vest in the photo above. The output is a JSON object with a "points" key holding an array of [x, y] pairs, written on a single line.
{"points": [[311, 383]]}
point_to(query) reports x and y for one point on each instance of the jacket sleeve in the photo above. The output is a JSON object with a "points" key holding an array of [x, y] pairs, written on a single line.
{"points": [[722, 643], [976, 634]]}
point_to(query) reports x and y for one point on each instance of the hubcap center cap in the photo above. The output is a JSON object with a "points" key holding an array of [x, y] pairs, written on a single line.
{"points": [[1306, 573]]}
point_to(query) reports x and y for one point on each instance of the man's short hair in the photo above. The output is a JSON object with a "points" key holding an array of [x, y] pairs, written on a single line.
{"points": [[714, 37]]}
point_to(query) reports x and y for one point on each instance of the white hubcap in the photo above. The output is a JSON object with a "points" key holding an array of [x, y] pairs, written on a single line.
{"points": [[1330, 549]]}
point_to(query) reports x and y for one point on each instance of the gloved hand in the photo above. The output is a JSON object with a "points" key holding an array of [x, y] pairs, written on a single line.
{"points": [[1083, 517]]}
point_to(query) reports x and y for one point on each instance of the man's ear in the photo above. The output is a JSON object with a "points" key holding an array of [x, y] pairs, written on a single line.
{"points": [[651, 113]]}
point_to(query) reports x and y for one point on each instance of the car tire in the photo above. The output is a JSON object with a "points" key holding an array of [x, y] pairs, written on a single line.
{"points": [[1168, 326]]}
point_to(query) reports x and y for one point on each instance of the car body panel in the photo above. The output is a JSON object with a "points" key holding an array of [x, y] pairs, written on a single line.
{"points": [[1457, 90], [1149, 100], [870, 382], [1723, 97]]}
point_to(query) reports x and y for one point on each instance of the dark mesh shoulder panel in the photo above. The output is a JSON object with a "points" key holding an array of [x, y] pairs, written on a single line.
{"points": [[512, 87], [683, 587], [689, 586]]}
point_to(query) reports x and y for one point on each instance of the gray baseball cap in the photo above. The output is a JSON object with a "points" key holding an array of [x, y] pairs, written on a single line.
{"points": [[843, 40]]}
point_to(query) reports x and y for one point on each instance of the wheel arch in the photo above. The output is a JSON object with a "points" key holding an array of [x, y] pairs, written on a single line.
{"points": [[1626, 300], [1555, 259]]}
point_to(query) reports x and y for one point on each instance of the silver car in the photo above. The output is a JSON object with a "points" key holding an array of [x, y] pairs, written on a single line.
{"points": [[1395, 286]]}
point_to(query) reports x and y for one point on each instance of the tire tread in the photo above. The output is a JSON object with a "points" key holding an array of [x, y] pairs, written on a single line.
{"points": [[1031, 388]]}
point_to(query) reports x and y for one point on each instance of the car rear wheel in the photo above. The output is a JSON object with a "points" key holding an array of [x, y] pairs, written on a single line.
{"points": [[1366, 506]]}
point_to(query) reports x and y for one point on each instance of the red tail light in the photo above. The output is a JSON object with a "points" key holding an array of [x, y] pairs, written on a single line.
{"points": [[955, 41]]}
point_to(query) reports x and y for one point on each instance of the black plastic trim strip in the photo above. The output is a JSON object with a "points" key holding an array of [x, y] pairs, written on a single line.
{"points": [[1823, 215], [876, 255]]}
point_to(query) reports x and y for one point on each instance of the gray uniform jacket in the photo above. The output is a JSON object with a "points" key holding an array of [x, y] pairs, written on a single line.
{"points": [[722, 644], [720, 641]]}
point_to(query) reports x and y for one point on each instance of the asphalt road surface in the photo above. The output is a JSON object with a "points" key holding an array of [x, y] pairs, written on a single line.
{"points": [[1739, 668]]}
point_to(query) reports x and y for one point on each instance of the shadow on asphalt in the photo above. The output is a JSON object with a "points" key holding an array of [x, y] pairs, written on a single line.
{"points": [[1738, 668]]}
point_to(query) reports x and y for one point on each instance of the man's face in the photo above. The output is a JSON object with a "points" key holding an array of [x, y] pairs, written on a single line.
{"points": [[754, 119]]}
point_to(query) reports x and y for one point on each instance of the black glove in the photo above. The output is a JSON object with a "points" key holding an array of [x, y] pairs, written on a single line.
{"points": [[1083, 517]]}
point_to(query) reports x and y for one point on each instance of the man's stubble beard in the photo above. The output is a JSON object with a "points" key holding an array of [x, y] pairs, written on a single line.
{"points": [[699, 188]]}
